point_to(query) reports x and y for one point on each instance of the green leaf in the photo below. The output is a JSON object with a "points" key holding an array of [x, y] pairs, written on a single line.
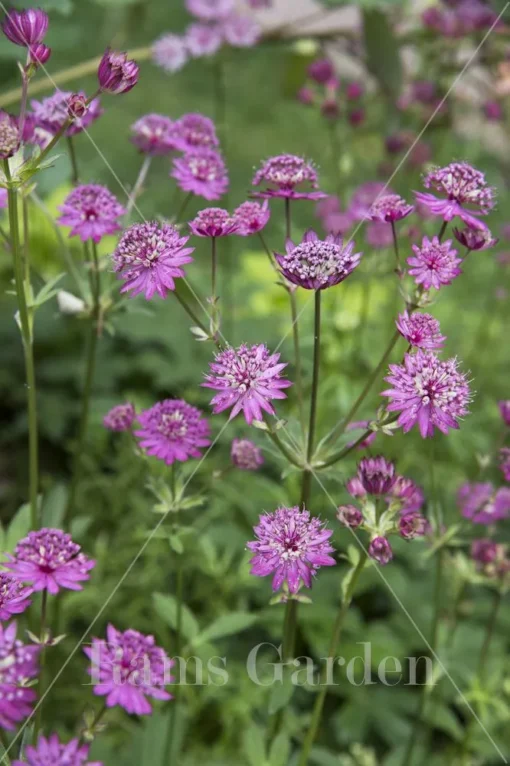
{"points": [[383, 53], [53, 506], [254, 747], [166, 607], [18, 528], [280, 750], [226, 625], [280, 694], [48, 291]]}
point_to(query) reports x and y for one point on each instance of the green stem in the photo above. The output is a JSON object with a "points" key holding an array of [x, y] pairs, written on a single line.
{"points": [[307, 474], [187, 199], [75, 176], [281, 446], [489, 633], [168, 753], [42, 664], [90, 366], [135, 191], [192, 314], [213, 284], [333, 647], [22, 283], [269, 254], [6, 745], [442, 231], [295, 328], [395, 247]]}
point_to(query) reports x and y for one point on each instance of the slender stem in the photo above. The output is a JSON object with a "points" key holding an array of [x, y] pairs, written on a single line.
{"points": [[183, 206], [191, 314], [23, 103], [75, 176], [42, 663], [442, 231], [395, 247], [295, 327], [6, 745], [23, 288], [97, 718], [282, 448], [213, 283], [339, 429], [268, 253], [333, 647], [179, 587], [54, 141], [337, 456], [90, 367], [135, 191], [315, 377], [288, 221]]}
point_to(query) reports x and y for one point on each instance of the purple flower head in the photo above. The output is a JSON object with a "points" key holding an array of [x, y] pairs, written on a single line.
{"points": [[25, 28], [408, 494], [376, 474], [201, 172], [241, 31], [434, 263], [389, 208], [349, 516], [210, 10], [362, 425], [51, 113], [10, 138], [203, 40], [39, 54], [247, 378], [357, 116], [76, 105], [420, 330], [482, 504], [120, 418], [354, 91], [149, 258], [127, 668], [378, 235], [14, 596], [195, 131], [475, 239], [170, 52], [365, 196], [504, 408], [245, 455], [286, 172], [316, 264], [173, 430], [50, 751], [504, 462], [493, 111], [485, 550], [18, 666], [154, 134], [251, 217], [50, 560], [117, 73], [412, 525], [355, 488], [380, 550], [428, 392], [213, 222], [306, 96], [292, 546], [321, 70], [459, 185], [91, 211]]}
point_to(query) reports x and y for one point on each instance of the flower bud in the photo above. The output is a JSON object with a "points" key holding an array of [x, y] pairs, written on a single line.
{"points": [[349, 516], [380, 550], [25, 28], [76, 106], [39, 54], [117, 73]]}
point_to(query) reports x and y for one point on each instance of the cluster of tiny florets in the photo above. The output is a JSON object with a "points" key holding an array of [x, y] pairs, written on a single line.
{"points": [[173, 430], [317, 264]]}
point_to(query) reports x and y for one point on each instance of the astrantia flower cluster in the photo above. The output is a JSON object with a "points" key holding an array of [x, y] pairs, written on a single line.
{"points": [[52, 113], [491, 558], [428, 392], [202, 172], [213, 222], [251, 217], [120, 418], [389, 208], [247, 379], [434, 263], [9, 135], [149, 258], [14, 596], [51, 751], [28, 28], [482, 503], [285, 175], [92, 212], [154, 134], [317, 264], [49, 560], [245, 455], [475, 239], [464, 193], [173, 430], [18, 667], [291, 545], [117, 73], [127, 668], [195, 131], [420, 330]]}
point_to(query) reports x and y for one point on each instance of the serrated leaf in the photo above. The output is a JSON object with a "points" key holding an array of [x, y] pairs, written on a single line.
{"points": [[166, 607], [226, 625]]}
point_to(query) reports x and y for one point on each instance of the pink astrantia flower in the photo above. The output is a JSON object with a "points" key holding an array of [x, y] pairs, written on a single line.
{"points": [[459, 185], [10, 137], [201, 172], [380, 550], [127, 668], [245, 455], [484, 550], [18, 667], [51, 751], [195, 131], [170, 52], [51, 113], [154, 134], [428, 392], [116, 73], [203, 40], [349, 516], [50, 560], [408, 494], [173, 430], [292, 546], [420, 330], [377, 475], [411, 525], [389, 208], [241, 31], [482, 503], [504, 408], [213, 222], [362, 425], [284, 173], [39, 54], [475, 239], [120, 418], [14, 596], [364, 198], [321, 70], [210, 10], [317, 264], [434, 263], [91, 211], [26, 28], [247, 378], [504, 462], [251, 217], [149, 258]]}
